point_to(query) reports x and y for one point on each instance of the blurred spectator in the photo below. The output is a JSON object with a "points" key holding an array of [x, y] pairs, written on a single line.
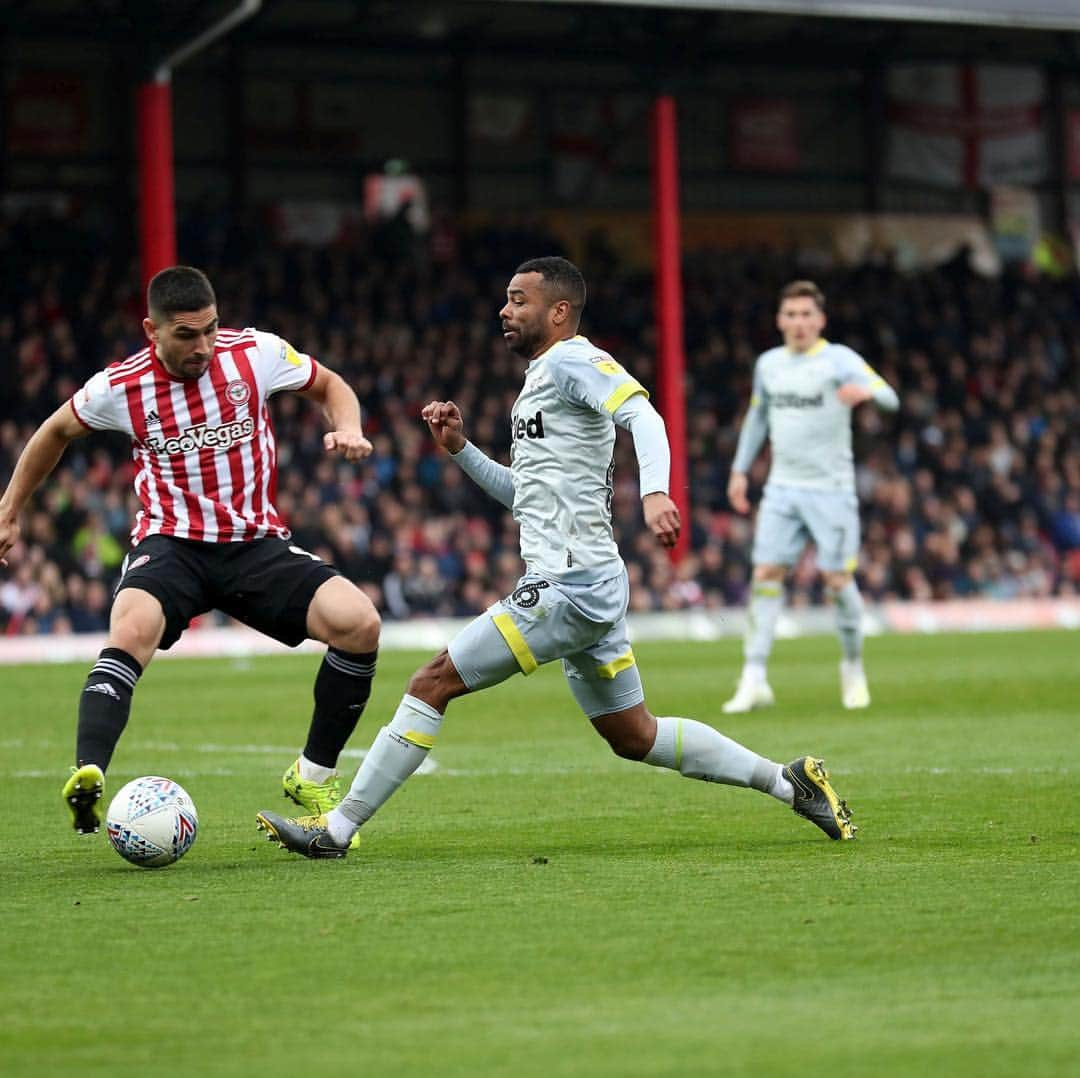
{"points": [[971, 490]]}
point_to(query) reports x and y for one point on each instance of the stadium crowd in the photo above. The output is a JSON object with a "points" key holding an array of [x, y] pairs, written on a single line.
{"points": [[971, 490]]}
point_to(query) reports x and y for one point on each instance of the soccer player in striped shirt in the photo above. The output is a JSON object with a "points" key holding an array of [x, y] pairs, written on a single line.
{"points": [[194, 403], [571, 603], [802, 400]]}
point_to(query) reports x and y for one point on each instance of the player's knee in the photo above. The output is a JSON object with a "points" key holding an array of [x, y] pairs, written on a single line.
{"points": [[137, 632], [344, 617], [363, 626], [630, 735], [630, 744], [437, 682], [837, 581]]}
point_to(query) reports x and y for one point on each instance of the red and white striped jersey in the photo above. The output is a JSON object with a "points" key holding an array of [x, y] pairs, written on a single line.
{"points": [[205, 447]]}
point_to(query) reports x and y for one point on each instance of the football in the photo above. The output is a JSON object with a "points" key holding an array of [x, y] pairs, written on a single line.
{"points": [[152, 822]]}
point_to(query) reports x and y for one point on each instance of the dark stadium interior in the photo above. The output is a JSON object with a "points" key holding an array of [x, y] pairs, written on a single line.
{"points": [[973, 489], [649, 33]]}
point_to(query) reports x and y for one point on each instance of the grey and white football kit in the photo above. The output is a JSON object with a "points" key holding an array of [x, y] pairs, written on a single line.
{"points": [[571, 602], [810, 492]]}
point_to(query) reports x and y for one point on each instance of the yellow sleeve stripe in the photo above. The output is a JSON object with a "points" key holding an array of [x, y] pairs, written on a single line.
{"points": [[678, 744], [876, 381], [423, 741], [515, 642], [624, 393], [623, 662]]}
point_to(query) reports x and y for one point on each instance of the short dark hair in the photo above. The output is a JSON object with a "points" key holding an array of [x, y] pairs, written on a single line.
{"points": [[562, 279], [179, 288], [799, 289]]}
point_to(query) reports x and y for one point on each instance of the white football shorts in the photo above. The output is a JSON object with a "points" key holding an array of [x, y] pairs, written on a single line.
{"points": [[542, 620], [789, 517]]}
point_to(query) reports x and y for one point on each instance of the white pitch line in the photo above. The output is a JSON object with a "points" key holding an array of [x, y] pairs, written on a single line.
{"points": [[430, 765]]}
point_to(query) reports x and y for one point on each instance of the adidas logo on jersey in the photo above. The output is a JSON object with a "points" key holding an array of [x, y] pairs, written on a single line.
{"points": [[153, 419], [520, 427]]}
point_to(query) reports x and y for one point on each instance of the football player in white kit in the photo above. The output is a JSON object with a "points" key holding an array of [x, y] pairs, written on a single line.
{"points": [[571, 602], [802, 400]]}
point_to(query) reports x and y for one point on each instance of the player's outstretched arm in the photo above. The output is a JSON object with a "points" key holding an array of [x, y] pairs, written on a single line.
{"points": [[342, 410], [37, 460], [443, 419]]}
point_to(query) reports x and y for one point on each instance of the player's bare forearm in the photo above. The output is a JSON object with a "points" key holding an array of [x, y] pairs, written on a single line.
{"points": [[340, 405], [852, 394], [37, 460], [342, 411], [662, 518], [444, 421]]}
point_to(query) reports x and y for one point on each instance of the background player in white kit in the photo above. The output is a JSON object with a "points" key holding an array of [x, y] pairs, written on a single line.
{"points": [[802, 400], [194, 403], [571, 603]]}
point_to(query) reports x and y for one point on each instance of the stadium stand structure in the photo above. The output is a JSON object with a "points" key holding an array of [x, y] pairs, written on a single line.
{"points": [[971, 491]]}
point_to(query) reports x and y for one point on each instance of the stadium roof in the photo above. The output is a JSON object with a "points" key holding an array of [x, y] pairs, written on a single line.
{"points": [[1032, 14], [658, 36]]}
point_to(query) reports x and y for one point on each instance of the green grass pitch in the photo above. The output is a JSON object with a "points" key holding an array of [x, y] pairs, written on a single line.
{"points": [[537, 907]]}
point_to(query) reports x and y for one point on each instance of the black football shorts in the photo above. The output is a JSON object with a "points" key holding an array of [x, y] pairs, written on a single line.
{"points": [[265, 583]]}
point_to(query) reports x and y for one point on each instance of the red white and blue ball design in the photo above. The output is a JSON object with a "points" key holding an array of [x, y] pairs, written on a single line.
{"points": [[152, 822]]}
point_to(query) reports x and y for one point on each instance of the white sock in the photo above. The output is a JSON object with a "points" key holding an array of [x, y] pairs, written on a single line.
{"points": [[781, 788], [698, 751], [849, 615], [754, 673], [766, 602], [398, 750], [310, 772]]}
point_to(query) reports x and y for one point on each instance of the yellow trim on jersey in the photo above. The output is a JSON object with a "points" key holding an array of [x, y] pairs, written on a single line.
{"points": [[623, 662], [876, 381], [623, 394], [515, 642], [678, 744], [851, 564], [292, 357], [816, 347], [421, 741]]}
